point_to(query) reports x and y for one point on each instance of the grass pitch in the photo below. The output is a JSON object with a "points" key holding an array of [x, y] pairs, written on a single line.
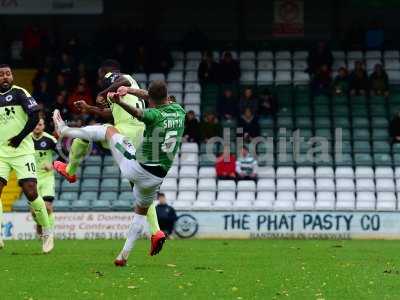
{"points": [[203, 269]]}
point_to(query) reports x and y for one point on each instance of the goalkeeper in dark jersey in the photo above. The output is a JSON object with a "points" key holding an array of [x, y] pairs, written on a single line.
{"points": [[19, 114]]}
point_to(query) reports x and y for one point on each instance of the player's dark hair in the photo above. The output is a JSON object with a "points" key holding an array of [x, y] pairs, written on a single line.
{"points": [[4, 66], [111, 65], [158, 90], [160, 195]]}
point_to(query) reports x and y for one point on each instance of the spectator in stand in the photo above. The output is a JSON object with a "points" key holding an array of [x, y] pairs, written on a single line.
{"points": [[32, 41], [81, 92], [227, 105], [266, 103], [61, 105], [42, 95], [321, 82], [246, 165], [250, 125], [229, 71], [210, 127], [318, 57], [394, 128], [161, 60], [248, 101], [225, 165], [340, 84], [166, 215], [192, 130], [141, 60], [208, 69], [358, 80], [60, 84], [379, 82]]}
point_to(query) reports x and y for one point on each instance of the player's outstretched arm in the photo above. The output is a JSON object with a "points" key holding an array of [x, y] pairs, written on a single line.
{"points": [[121, 81], [116, 98], [142, 94], [85, 108]]}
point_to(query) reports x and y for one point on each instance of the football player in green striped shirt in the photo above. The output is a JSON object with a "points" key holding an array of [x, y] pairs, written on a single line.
{"points": [[45, 147], [126, 124], [19, 114], [147, 166]]}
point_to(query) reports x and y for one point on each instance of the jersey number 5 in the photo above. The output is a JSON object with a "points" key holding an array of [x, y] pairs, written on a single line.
{"points": [[169, 142]]}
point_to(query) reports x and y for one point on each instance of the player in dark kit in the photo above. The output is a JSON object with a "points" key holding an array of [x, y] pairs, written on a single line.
{"points": [[19, 114]]}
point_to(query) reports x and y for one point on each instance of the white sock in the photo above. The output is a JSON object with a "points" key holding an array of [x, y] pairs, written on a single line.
{"points": [[93, 133], [134, 232]]}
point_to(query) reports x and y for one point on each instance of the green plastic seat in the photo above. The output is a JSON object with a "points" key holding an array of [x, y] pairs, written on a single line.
{"points": [[361, 134], [382, 159], [61, 205], [396, 148], [347, 147], [207, 160], [303, 122], [267, 132], [93, 160], [322, 110], [359, 110], [89, 185], [381, 147], [108, 160], [80, 205], [121, 205], [363, 159], [380, 134], [285, 111], [376, 99], [323, 160], [126, 196], [360, 122], [378, 110], [125, 186], [396, 159], [362, 147], [302, 100], [57, 185], [322, 122], [21, 205], [345, 133], [110, 196], [91, 172], [343, 159], [69, 196], [340, 111], [90, 196], [303, 111], [336, 100], [341, 122], [266, 123], [324, 133], [358, 99], [111, 172], [109, 185], [305, 133], [69, 187], [303, 160], [101, 205], [229, 123], [321, 99], [379, 122], [285, 122], [284, 159]]}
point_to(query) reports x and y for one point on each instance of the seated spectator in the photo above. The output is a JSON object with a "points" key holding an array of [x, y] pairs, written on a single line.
{"points": [[340, 84], [225, 165], [379, 82], [394, 128], [42, 95], [358, 80], [246, 166], [227, 105], [208, 69], [318, 57], [250, 125], [166, 215], [321, 82], [229, 71], [61, 84], [266, 103], [61, 105], [141, 60], [81, 92], [210, 127], [248, 101], [191, 133]]}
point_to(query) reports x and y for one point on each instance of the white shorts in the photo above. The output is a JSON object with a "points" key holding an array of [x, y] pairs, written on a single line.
{"points": [[146, 185]]}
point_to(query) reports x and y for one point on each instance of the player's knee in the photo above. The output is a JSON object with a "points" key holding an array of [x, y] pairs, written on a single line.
{"points": [[30, 190]]}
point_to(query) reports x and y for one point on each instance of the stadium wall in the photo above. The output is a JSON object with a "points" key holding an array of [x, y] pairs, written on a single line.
{"points": [[220, 224]]}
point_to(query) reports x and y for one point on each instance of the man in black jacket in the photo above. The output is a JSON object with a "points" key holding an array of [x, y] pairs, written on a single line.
{"points": [[166, 214]]}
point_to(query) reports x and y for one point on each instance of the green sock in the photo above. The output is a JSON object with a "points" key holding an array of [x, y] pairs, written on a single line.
{"points": [[79, 149], [39, 207], [152, 219], [52, 220]]}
